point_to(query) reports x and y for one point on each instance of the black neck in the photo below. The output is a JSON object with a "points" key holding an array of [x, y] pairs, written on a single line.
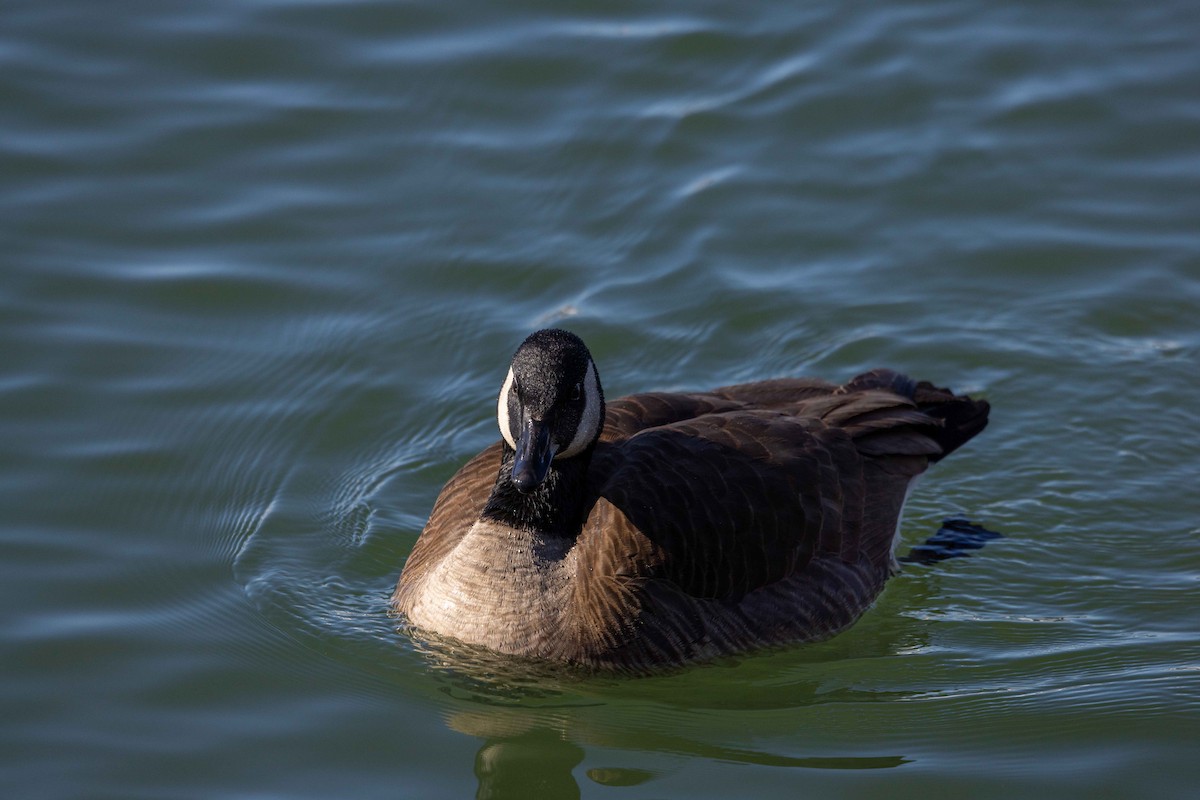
{"points": [[555, 507]]}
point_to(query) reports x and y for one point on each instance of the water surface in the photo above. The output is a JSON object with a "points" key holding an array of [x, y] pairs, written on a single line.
{"points": [[263, 265]]}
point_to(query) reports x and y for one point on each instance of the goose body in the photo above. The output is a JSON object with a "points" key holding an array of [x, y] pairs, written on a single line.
{"points": [[666, 528]]}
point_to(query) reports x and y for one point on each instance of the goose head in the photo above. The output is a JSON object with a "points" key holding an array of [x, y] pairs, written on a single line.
{"points": [[551, 406]]}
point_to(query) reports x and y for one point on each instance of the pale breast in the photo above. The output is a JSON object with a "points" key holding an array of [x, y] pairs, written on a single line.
{"points": [[500, 588]]}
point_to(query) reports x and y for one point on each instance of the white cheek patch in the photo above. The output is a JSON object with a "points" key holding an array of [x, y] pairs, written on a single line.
{"points": [[502, 411], [589, 424]]}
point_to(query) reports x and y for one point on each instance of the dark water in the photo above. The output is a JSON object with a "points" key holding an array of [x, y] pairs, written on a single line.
{"points": [[263, 264]]}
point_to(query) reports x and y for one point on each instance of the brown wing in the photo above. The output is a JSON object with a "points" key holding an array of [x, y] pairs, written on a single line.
{"points": [[628, 415], [637, 412], [780, 393], [737, 489], [731, 502]]}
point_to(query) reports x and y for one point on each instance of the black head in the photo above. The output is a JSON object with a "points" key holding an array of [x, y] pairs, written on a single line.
{"points": [[551, 406]]}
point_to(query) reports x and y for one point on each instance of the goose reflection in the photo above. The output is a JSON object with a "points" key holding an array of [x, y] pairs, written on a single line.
{"points": [[538, 732], [542, 761]]}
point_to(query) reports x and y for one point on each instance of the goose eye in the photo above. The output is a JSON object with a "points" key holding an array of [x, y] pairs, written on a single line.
{"points": [[577, 391]]}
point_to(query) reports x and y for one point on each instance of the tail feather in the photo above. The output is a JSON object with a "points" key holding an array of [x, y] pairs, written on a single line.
{"points": [[886, 379], [961, 416]]}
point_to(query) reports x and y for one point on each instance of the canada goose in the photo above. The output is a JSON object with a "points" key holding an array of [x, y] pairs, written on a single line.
{"points": [[670, 528]]}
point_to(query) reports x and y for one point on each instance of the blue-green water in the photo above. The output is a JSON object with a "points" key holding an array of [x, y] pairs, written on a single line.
{"points": [[262, 265]]}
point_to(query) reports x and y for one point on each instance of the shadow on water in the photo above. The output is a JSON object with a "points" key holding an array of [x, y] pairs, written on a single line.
{"points": [[540, 763], [535, 764], [537, 725], [540, 760]]}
